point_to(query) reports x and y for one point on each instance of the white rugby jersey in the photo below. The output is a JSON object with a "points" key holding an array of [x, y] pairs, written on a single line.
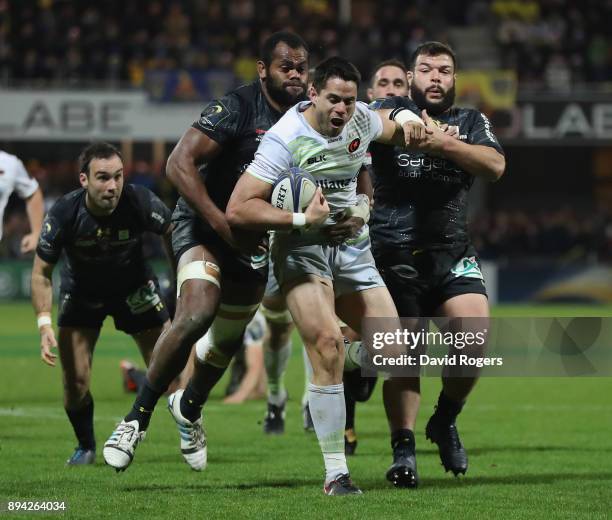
{"points": [[334, 162], [13, 178]]}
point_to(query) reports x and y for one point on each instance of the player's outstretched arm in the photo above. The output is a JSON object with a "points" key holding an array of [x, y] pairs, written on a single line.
{"points": [[248, 208], [35, 208], [193, 150], [403, 128], [42, 296], [476, 159]]}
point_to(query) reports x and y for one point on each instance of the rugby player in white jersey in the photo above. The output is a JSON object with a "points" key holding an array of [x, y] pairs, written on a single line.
{"points": [[328, 137], [15, 178]]}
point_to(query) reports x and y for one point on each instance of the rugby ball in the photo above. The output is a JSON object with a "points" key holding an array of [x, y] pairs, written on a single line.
{"points": [[293, 190]]}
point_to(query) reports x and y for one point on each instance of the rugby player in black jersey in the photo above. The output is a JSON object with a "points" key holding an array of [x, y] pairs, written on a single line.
{"points": [[389, 79], [220, 276], [421, 244], [99, 227]]}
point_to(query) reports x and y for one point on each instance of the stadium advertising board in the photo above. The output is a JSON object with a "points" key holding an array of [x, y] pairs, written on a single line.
{"points": [[554, 121], [75, 116], [72, 116]]}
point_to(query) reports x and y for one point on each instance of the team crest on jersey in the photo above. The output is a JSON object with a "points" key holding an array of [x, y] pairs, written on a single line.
{"points": [[214, 114], [467, 267], [354, 144]]}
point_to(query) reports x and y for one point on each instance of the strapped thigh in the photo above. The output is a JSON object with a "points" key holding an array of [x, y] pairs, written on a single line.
{"points": [[198, 270]]}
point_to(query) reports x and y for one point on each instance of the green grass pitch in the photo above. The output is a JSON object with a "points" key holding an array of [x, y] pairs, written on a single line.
{"points": [[537, 447]]}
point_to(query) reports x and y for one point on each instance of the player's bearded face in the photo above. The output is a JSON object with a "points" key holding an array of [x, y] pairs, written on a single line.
{"points": [[286, 92], [104, 185], [433, 84], [286, 76]]}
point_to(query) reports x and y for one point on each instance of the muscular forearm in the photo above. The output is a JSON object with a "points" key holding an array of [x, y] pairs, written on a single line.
{"points": [[42, 293], [364, 183], [257, 214], [478, 160]]}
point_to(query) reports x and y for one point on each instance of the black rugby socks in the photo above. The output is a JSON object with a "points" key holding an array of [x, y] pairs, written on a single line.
{"points": [[447, 409], [144, 405], [82, 424]]}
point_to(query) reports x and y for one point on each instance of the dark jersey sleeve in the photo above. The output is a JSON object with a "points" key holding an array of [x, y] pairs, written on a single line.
{"points": [[155, 214], [481, 132], [52, 234], [220, 119], [394, 102]]}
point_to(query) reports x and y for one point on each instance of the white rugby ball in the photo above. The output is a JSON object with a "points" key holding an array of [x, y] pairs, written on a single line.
{"points": [[293, 190]]}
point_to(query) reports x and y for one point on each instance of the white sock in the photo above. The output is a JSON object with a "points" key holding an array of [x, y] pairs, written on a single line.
{"points": [[307, 375], [276, 362], [329, 417]]}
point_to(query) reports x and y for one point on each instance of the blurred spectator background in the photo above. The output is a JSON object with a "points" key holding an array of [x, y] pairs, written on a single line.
{"points": [[550, 43]]}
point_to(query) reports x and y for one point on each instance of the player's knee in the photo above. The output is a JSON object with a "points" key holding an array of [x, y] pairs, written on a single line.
{"points": [[193, 322], [327, 346]]}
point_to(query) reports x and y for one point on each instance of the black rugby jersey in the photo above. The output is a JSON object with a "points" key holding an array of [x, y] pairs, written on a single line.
{"points": [[420, 201], [103, 255], [238, 122]]}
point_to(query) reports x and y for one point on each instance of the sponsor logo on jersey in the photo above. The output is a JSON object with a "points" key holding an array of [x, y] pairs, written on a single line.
{"points": [[334, 139], [259, 134], [329, 184], [426, 163], [157, 217], [467, 267], [317, 159], [354, 144]]}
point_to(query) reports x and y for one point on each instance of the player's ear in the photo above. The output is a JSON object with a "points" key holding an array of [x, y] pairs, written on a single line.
{"points": [[83, 179], [370, 94], [409, 77], [312, 93], [261, 70]]}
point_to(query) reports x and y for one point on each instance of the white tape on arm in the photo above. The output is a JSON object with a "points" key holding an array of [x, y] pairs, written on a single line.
{"points": [[43, 319], [299, 220], [403, 115]]}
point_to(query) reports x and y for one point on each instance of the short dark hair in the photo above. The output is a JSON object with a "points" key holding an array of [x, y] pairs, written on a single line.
{"points": [[389, 63], [335, 67], [432, 49], [99, 150], [293, 41]]}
